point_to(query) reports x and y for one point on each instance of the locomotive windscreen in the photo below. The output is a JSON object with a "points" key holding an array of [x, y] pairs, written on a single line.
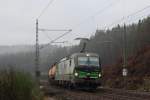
{"points": [[88, 61]]}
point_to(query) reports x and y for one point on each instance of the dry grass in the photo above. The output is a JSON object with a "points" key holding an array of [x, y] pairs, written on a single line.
{"points": [[16, 85]]}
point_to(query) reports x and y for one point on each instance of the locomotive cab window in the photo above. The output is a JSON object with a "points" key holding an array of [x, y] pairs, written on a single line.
{"points": [[88, 61], [94, 61], [82, 60]]}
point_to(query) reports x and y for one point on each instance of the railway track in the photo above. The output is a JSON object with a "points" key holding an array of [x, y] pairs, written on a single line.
{"points": [[56, 93]]}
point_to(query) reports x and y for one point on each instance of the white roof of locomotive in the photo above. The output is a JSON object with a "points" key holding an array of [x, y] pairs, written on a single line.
{"points": [[77, 54]]}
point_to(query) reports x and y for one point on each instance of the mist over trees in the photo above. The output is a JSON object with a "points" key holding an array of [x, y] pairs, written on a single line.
{"points": [[108, 44]]}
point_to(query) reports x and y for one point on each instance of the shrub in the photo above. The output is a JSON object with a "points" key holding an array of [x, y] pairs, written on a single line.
{"points": [[16, 85]]}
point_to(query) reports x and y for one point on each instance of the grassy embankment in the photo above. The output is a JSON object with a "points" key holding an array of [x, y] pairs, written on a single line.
{"points": [[16, 85]]}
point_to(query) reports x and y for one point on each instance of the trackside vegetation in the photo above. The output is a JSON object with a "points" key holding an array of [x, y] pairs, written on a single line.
{"points": [[17, 85]]}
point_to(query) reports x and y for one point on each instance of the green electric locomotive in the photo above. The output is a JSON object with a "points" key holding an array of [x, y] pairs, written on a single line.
{"points": [[80, 70]]}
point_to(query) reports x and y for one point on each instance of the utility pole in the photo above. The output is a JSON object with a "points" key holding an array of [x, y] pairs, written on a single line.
{"points": [[124, 47], [37, 46], [37, 56], [124, 71]]}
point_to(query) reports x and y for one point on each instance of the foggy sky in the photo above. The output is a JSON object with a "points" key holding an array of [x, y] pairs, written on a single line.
{"points": [[17, 18]]}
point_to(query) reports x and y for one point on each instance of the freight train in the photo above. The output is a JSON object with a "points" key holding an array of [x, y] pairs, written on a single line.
{"points": [[80, 70]]}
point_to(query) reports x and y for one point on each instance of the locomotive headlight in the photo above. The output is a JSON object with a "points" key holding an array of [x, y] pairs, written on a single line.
{"points": [[99, 74], [76, 74]]}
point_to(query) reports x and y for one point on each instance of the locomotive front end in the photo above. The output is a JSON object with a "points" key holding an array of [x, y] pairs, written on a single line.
{"points": [[88, 70]]}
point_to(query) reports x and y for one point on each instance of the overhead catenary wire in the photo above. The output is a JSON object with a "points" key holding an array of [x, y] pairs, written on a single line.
{"points": [[41, 29], [43, 11], [101, 11], [47, 36], [139, 18], [124, 18], [128, 16], [97, 13], [61, 36], [57, 38], [44, 30], [58, 30]]}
